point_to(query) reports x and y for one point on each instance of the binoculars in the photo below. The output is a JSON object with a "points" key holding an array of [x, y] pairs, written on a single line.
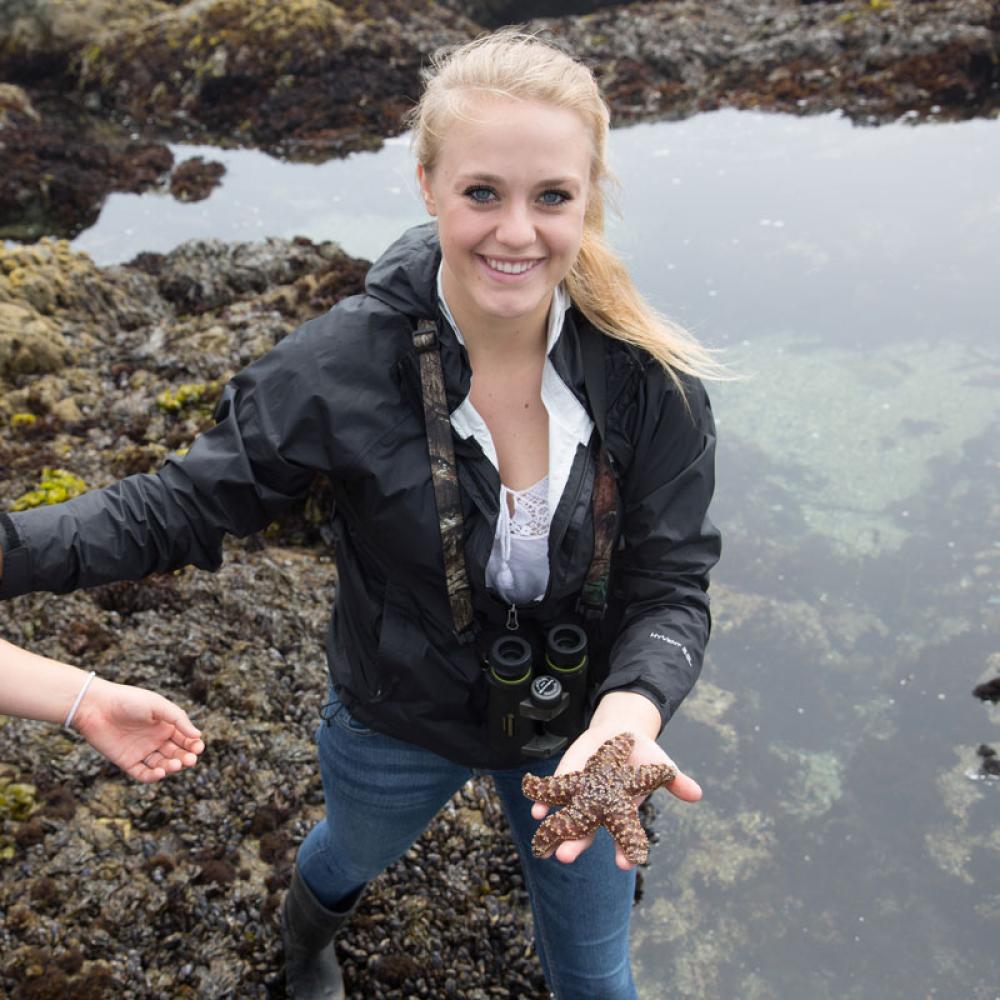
{"points": [[536, 713]]}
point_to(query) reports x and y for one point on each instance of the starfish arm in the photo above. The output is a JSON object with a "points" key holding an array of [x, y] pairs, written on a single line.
{"points": [[615, 751], [624, 826], [577, 820], [553, 791], [643, 779]]}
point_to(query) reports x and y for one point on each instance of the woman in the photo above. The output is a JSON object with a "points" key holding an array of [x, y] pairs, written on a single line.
{"points": [[147, 736], [515, 441]]}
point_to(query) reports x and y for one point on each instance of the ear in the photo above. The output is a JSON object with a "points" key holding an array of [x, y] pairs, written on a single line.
{"points": [[425, 189]]}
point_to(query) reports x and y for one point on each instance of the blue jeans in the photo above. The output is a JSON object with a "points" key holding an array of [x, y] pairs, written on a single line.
{"points": [[381, 793]]}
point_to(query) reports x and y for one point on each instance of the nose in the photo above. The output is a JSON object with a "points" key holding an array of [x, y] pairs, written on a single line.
{"points": [[515, 228]]}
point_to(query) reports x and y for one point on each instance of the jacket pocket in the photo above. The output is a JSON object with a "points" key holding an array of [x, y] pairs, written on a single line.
{"points": [[411, 669], [401, 641]]}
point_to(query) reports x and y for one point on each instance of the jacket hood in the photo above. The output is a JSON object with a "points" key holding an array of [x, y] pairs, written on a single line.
{"points": [[405, 276]]}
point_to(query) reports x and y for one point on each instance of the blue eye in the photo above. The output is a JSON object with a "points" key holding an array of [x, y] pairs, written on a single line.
{"points": [[554, 198], [480, 194]]}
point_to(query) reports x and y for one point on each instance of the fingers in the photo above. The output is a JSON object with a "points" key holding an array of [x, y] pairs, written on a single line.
{"points": [[169, 750], [684, 788], [193, 744], [183, 746], [177, 717], [146, 774], [569, 850], [169, 758], [621, 861], [187, 728]]}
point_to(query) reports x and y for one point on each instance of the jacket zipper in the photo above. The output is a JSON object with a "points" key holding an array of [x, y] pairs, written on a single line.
{"points": [[512, 623]]}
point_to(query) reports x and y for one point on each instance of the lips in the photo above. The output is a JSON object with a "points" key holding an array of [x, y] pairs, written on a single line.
{"points": [[514, 267]]}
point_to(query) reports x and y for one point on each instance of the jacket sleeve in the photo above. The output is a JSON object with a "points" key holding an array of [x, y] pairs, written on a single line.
{"points": [[659, 582], [235, 478]]}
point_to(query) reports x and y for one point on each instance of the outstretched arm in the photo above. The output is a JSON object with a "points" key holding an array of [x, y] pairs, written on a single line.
{"points": [[142, 732]]}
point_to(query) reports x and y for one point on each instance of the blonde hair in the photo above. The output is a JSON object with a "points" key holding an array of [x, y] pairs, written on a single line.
{"points": [[513, 65]]}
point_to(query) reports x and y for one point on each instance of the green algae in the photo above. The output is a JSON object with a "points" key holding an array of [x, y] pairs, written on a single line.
{"points": [[188, 396], [838, 432], [708, 704], [17, 800], [55, 486], [817, 785]]}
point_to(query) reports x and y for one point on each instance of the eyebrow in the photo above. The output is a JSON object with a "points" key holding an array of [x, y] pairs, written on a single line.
{"points": [[498, 181]]}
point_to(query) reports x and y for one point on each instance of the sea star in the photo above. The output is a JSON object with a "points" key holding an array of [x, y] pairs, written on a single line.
{"points": [[602, 793]]}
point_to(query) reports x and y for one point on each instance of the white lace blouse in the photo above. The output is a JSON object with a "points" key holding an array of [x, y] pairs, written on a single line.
{"points": [[519, 563], [518, 567]]}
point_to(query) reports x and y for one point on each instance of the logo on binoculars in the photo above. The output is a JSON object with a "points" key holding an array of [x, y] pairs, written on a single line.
{"points": [[546, 687]]}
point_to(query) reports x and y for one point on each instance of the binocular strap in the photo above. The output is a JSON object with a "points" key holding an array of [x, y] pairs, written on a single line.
{"points": [[444, 473]]}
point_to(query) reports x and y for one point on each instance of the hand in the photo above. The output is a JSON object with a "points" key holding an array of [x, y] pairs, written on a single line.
{"points": [[618, 712], [142, 732]]}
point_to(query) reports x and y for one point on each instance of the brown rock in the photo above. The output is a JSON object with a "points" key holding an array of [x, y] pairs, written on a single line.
{"points": [[195, 180], [29, 343]]}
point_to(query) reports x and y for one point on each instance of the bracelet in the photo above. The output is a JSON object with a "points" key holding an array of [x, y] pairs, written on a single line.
{"points": [[79, 698]]}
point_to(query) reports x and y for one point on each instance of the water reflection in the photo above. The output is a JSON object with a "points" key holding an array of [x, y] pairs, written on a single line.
{"points": [[362, 202], [842, 850]]}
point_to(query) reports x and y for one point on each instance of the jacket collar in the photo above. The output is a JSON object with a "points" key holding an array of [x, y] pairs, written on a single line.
{"points": [[404, 277], [570, 425]]}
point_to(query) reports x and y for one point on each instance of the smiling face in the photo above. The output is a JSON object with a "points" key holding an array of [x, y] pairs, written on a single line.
{"points": [[509, 189]]}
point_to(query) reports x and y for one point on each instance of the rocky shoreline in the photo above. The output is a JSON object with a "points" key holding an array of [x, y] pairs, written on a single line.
{"points": [[112, 889], [109, 889], [94, 88]]}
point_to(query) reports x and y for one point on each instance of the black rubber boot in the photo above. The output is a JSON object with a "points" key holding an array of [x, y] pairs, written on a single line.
{"points": [[307, 929]]}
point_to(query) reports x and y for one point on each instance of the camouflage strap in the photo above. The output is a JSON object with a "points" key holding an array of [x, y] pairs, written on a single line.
{"points": [[594, 594], [444, 474]]}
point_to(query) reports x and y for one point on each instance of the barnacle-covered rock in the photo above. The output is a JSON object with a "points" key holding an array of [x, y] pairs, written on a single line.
{"points": [[29, 343], [105, 370], [874, 61], [15, 106], [306, 76], [39, 37], [195, 180], [58, 164], [53, 280]]}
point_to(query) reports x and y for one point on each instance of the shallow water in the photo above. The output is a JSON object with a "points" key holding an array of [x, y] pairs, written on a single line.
{"points": [[844, 848]]}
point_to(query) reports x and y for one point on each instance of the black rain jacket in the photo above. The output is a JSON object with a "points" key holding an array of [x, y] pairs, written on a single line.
{"points": [[341, 396]]}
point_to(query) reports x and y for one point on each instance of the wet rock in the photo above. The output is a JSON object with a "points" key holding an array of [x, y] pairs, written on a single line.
{"points": [[307, 78], [172, 896], [312, 79], [988, 690], [203, 275], [29, 343], [195, 180], [15, 106], [990, 760], [495, 13], [55, 281], [56, 171], [176, 888], [107, 370], [874, 62], [39, 38]]}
